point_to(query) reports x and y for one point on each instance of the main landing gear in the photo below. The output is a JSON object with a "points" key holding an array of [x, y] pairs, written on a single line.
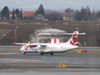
{"points": [[41, 53], [51, 53]]}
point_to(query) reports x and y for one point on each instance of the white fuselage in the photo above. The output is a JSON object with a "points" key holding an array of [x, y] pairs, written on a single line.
{"points": [[54, 46], [61, 47]]}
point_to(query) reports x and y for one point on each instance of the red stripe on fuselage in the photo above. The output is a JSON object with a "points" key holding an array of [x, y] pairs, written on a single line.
{"points": [[30, 46], [55, 40]]}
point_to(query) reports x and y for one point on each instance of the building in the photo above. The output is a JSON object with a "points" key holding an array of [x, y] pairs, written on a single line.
{"points": [[68, 15], [44, 35], [39, 17], [28, 14]]}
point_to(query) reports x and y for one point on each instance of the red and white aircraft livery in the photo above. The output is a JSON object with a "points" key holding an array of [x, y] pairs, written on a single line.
{"points": [[54, 46]]}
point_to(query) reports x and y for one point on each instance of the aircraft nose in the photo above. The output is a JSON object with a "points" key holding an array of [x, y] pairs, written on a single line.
{"points": [[22, 49]]}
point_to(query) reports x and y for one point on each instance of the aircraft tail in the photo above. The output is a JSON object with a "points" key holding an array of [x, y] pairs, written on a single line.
{"points": [[73, 39]]}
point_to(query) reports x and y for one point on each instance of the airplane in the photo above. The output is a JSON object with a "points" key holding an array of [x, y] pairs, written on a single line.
{"points": [[53, 46]]}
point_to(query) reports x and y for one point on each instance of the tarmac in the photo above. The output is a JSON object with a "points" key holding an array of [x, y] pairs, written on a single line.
{"points": [[11, 60], [10, 57]]}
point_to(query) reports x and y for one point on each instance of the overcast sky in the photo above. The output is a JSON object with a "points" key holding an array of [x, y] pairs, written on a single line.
{"points": [[50, 4]]}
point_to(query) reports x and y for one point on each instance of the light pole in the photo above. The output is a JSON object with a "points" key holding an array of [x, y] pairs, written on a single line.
{"points": [[4, 35], [16, 33]]}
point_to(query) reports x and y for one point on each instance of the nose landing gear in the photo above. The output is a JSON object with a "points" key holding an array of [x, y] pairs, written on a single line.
{"points": [[23, 53]]}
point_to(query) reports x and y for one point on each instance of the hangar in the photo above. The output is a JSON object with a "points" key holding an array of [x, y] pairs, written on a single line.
{"points": [[44, 35]]}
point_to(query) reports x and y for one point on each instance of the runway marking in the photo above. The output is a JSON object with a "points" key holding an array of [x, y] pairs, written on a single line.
{"points": [[6, 60], [9, 53]]}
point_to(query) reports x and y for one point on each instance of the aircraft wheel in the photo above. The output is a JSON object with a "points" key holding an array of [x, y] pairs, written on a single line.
{"points": [[41, 53], [23, 53], [51, 53]]}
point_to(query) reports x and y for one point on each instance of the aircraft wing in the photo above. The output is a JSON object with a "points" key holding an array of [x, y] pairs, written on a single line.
{"points": [[41, 44], [35, 44], [78, 33], [20, 43]]}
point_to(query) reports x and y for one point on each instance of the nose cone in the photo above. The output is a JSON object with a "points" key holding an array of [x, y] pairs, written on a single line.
{"points": [[22, 48]]}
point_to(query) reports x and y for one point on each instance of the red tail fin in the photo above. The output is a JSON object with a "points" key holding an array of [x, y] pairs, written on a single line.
{"points": [[73, 38]]}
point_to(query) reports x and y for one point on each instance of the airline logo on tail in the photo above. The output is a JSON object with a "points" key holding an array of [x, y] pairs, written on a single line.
{"points": [[71, 41], [73, 38]]}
